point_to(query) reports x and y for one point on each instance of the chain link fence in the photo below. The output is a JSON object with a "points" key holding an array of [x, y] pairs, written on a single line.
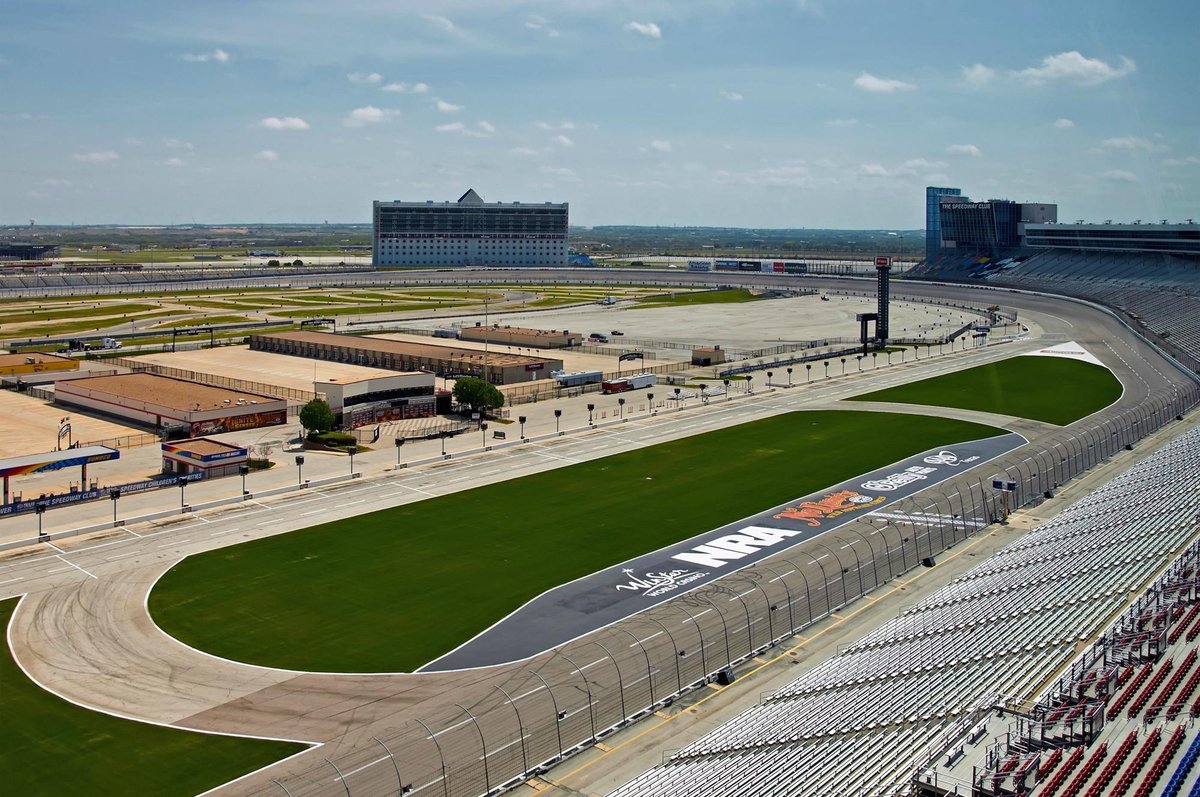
{"points": [[531, 716]]}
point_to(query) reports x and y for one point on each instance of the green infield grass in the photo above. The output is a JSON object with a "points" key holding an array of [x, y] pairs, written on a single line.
{"points": [[393, 589], [1050, 389], [51, 747]]}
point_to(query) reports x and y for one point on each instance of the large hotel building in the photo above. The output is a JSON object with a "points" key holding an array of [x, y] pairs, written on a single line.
{"points": [[469, 232]]}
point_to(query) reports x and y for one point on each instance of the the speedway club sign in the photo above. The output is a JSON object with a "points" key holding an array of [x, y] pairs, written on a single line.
{"points": [[572, 610]]}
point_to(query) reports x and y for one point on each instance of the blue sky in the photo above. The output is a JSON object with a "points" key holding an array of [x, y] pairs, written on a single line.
{"points": [[792, 113]]}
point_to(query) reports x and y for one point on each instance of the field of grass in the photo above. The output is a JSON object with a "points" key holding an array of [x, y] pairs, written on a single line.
{"points": [[732, 296], [51, 747], [391, 590], [1050, 389]]}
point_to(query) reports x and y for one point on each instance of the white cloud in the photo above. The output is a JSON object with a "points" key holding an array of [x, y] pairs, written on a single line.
{"points": [[1073, 67], [134, 142], [560, 172], [57, 182], [1132, 143], [540, 23], [452, 127], [528, 151], [266, 155], [648, 29], [284, 123], [218, 55], [368, 115], [563, 140], [486, 126], [977, 75], [964, 149], [175, 143], [1190, 160], [369, 78], [1120, 176], [879, 85], [447, 107], [406, 88], [96, 156], [173, 162], [1063, 124], [564, 125], [841, 122], [660, 145], [732, 96], [910, 168], [441, 23]]}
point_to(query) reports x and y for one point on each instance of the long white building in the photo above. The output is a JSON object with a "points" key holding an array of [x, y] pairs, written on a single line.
{"points": [[469, 232]]}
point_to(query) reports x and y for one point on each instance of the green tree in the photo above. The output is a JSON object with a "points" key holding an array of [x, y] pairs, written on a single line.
{"points": [[297, 262], [272, 264], [477, 394], [316, 416]]}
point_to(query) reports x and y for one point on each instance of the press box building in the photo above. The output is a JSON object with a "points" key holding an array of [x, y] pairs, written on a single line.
{"points": [[469, 232]]}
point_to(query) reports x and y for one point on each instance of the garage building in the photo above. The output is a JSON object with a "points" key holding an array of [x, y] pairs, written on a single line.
{"points": [[499, 368], [522, 336], [162, 402], [383, 396]]}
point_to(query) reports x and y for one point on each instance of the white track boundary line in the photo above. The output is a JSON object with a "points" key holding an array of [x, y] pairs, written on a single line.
{"points": [[311, 744]]}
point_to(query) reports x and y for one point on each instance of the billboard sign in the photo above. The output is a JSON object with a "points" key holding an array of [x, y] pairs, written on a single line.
{"points": [[883, 260]]}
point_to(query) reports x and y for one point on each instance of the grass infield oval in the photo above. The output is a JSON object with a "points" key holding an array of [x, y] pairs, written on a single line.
{"points": [[391, 590]]}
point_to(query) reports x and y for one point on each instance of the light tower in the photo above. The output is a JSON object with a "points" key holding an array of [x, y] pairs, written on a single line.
{"points": [[883, 271]]}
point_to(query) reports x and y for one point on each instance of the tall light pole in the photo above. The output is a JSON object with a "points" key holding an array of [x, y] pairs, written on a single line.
{"points": [[827, 369], [182, 482], [483, 430], [521, 419], [789, 370], [770, 374], [115, 495], [650, 401], [399, 448], [40, 508], [243, 470], [843, 366], [557, 419], [300, 469], [621, 404], [352, 450], [808, 368], [443, 436], [591, 409]]}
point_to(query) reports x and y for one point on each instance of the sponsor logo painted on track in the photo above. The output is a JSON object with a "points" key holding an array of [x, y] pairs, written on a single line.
{"points": [[593, 602]]}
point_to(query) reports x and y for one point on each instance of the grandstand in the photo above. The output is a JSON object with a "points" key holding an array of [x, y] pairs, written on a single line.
{"points": [[921, 688], [1159, 293]]}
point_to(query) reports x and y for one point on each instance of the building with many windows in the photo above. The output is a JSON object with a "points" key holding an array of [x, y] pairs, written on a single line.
{"points": [[469, 232], [933, 217], [1173, 239], [954, 222]]}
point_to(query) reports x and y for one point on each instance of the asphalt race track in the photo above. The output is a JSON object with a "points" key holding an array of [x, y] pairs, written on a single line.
{"points": [[83, 632], [588, 604]]}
